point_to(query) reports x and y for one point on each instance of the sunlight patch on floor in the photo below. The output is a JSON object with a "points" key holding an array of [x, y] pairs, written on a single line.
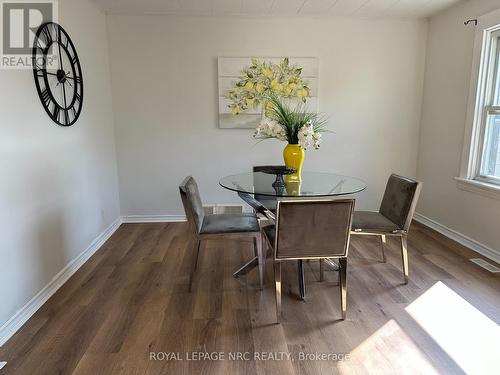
{"points": [[391, 351], [468, 336], [2, 365]]}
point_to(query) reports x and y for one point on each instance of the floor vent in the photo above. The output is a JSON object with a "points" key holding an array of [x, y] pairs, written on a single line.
{"points": [[487, 266], [223, 209]]}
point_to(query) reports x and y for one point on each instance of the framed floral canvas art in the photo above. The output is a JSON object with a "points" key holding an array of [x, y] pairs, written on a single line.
{"points": [[242, 81]]}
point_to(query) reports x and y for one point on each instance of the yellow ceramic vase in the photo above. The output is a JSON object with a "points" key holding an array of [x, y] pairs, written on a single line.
{"points": [[294, 158], [293, 187]]}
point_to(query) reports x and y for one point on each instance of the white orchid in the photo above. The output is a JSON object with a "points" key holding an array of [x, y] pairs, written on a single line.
{"points": [[307, 137], [270, 129], [293, 125], [317, 140]]}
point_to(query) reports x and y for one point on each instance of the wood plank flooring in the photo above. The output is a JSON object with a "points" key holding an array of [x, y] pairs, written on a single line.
{"points": [[130, 302]]}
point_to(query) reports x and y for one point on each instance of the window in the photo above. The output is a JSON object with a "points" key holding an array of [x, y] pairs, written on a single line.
{"points": [[489, 141], [480, 165]]}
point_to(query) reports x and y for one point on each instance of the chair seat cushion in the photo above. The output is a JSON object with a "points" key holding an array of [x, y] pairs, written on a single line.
{"points": [[229, 223], [270, 232], [369, 221]]}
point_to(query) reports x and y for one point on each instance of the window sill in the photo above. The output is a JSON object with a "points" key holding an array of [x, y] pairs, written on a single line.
{"points": [[479, 187]]}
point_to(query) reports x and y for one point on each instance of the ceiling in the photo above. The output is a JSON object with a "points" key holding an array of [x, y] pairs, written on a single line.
{"points": [[355, 8]]}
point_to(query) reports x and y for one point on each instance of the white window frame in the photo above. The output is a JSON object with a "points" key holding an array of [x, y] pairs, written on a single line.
{"points": [[470, 178]]}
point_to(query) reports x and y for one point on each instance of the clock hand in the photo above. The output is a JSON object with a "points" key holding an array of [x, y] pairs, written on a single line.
{"points": [[59, 46], [60, 56], [54, 74], [64, 94]]}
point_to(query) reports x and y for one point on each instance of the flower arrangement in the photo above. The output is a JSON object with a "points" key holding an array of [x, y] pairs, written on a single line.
{"points": [[264, 79], [275, 87], [294, 125]]}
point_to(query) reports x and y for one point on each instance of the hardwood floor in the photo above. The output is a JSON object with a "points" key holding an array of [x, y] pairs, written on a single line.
{"points": [[129, 302]]}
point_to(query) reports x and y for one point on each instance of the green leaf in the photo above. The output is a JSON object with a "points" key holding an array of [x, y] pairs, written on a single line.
{"points": [[293, 119]]}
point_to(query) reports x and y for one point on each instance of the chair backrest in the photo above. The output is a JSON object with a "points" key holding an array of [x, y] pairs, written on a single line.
{"points": [[313, 228], [191, 201], [400, 200], [269, 200]]}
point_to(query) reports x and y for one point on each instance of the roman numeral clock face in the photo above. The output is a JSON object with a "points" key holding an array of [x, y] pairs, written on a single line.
{"points": [[58, 74]]}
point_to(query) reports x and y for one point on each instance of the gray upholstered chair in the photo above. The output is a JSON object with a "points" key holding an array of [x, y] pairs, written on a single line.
{"points": [[311, 229], [394, 216], [204, 227]]}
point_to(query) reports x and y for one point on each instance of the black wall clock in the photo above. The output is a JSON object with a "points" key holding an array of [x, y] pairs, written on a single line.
{"points": [[58, 74]]}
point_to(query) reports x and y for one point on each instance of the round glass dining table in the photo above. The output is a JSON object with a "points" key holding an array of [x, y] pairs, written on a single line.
{"points": [[258, 187], [312, 184]]}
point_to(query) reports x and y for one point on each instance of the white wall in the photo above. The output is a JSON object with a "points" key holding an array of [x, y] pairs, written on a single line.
{"points": [[58, 186], [447, 79], [164, 81]]}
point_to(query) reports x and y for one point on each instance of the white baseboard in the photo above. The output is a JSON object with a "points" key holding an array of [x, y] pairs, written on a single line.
{"points": [[17, 321], [462, 239], [153, 218]]}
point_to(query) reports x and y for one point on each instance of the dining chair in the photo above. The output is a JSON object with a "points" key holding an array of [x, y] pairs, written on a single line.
{"points": [[394, 216], [205, 227], [311, 229]]}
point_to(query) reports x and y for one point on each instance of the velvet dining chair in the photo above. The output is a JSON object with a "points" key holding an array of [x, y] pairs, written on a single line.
{"points": [[311, 229], [394, 216], [206, 227]]}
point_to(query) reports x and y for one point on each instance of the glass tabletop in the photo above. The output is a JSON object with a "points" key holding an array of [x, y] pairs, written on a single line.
{"points": [[313, 184]]}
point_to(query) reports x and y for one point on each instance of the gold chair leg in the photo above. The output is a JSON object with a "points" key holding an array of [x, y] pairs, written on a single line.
{"points": [[196, 249], [343, 285], [261, 258], [404, 255], [383, 240], [321, 270], [277, 283]]}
